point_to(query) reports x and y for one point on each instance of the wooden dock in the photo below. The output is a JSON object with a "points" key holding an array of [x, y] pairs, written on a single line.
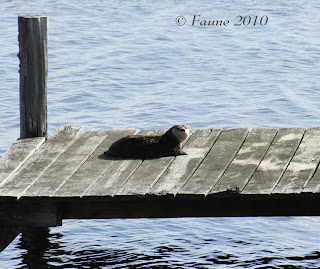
{"points": [[234, 172]]}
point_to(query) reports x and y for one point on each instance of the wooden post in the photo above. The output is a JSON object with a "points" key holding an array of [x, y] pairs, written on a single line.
{"points": [[33, 55]]}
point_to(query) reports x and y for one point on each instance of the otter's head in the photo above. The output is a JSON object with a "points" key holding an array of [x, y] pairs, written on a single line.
{"points": [[181, 132]]}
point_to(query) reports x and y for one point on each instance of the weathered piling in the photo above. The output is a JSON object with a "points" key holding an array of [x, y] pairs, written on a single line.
{"points": [[33, 55]]}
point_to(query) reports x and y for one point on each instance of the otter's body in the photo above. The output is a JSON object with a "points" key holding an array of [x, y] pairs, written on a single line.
{"points": [[140, 146]]}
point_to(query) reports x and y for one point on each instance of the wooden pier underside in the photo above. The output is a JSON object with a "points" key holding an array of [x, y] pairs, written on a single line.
{"points": [[234, 172]]}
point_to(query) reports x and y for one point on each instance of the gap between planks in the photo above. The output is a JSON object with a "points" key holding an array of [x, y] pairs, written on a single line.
{"points": [[17, 155], [183, 167], [215, 164], [196, 168], [275, 162], [93, 169], [42, 159], [263, 157], [302, 166], [67, 164], [116, 172]]}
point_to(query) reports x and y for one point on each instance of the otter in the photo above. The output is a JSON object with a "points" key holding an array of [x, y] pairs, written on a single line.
{"points": [[151, 146]]}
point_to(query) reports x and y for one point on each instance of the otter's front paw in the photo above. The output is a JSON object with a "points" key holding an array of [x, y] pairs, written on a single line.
{"points": [[183, 153]]}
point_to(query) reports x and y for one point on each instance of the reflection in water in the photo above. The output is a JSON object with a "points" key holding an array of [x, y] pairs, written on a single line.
{"points": [[42, 248], [36, 243]]}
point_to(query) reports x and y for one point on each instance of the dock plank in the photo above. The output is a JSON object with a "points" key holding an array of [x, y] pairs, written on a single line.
{"points": [[313, 186], [302, 165], [17, 155], [215, 163], [66, 165], [183, 167], [40, 161], [116, 173], [246, 161], [275, 162], [93, 168], [144, 176]]}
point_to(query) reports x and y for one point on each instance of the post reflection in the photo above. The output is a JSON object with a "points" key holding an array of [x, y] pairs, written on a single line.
{"points": [[44, 249]]}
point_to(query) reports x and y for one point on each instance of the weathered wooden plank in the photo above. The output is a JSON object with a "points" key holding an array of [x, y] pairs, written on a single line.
{"points": [[246, 161], [17, 155], [93, 168], [275, 162], [183, 167], [39, 162], [117, 173], [313, 186], [302, 165], [215, 163], [66, 165], [33, 55], [145, 176]]}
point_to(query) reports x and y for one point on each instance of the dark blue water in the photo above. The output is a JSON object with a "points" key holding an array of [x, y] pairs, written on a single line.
{"points": [[128, 64], [177, 243]]}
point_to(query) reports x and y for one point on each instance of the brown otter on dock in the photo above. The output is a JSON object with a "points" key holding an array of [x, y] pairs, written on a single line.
{"points": [[151, 146]]}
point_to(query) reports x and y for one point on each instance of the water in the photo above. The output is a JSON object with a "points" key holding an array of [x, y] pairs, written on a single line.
{"points": [[179, 243], [129, 64]]}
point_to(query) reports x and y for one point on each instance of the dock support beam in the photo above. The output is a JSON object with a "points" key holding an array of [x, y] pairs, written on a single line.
{"points": [[33, 55]]}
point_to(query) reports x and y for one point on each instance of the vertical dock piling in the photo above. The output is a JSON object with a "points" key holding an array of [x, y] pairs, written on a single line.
{"points": [[33, 55]]}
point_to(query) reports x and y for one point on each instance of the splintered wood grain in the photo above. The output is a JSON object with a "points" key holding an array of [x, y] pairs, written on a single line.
{"points": [[275, 162], [246, 161], [17, 155], [66, 165], [41, 160], [182, 168], [116, 173], [144, 177], [302, 165], [93, 168], [215, 163]]}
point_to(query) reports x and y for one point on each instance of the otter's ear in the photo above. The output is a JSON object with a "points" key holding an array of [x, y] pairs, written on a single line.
{"points": [[169, 132]]}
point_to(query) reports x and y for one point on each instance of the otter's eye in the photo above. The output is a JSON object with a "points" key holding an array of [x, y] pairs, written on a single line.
{"points": [[182, 130]]}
